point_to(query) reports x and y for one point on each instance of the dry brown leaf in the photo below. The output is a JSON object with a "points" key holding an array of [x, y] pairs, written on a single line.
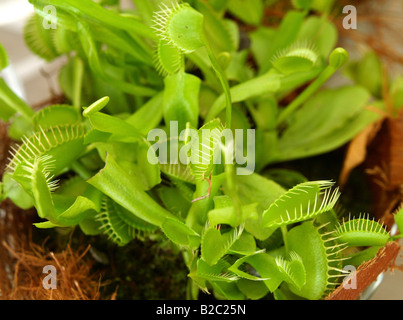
{"points": [[357, 150]]}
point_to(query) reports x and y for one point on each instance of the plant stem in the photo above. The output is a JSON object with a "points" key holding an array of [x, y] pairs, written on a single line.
{"points": [[197, 215], [306, 94], [229, 168], [284, 233], [78, 82], [15, 102], [232, 191], [81, 170], [224, 83]]}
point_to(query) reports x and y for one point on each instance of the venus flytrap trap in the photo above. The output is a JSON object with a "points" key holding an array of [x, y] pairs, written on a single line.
{"points": [[362, 232], [182, 71], [297, 58], [336, 60]]}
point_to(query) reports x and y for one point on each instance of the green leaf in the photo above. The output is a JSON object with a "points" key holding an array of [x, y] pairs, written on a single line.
{"points": [[216, 272], [148, 116], [75, 213], [205, 149], [323, 6], [178, 171], [218, 5], [324, 133], [55, 115], [181, 26], [96, 106], [399, 220], [133, 158], [113, 225], [284, 36], [46, 225], [215, 245], [356, 259], [113, 181], [3, 58], [266, 267], [90, 226], [119, 224], [302, 4], [249, 11], [11, 103], [101, 67], [61, 210], [296, 58], [303, 202], [228, 215], [145, 9], [321, 34], [64, 40], [217, 34], [245, 245], [227, 290], [396, 92], [267, 83], [169, 59], [261, 42], [34, 177], [181, 99], [293, 270], [120, 129], [320, 257], [39, 39], [174, 200], [253, 290], [362, 232], [19, 126], [285, 177], [180, 233], [90, 10], [15, 192], [64, 143], [6, 112], [256, 189], [368, 73]]}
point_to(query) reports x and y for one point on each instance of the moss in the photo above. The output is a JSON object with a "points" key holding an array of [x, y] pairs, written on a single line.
{"points": [[142, 270]]}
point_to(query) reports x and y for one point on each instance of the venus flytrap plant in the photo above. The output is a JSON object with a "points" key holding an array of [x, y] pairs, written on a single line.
{"points": [[311, 199], [293, 269], [241, 236], [182, 27], [297, 58], [362, 232], [336, 60], [168, 59], [119, 224], [319, 257]]}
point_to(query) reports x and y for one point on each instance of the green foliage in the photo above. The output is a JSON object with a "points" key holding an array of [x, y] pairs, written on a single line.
{"points": [[362, 232], [180, 100], [88, 162], [38, 39], [250, 12], [300, 203], [3, 58], [204, 149]]}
